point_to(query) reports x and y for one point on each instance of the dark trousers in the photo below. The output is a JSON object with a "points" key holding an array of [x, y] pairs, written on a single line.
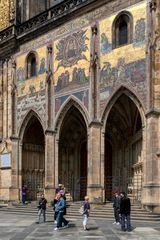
{"points": [[128, 219], [60, 219], [55, 215], [23, 199], [116, 214]]}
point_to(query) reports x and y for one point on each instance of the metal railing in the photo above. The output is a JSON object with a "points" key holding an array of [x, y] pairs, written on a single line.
{"points": [[50, 15]]}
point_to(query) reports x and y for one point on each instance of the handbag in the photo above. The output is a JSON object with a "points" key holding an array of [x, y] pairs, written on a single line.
{"points": [[81, 210]]}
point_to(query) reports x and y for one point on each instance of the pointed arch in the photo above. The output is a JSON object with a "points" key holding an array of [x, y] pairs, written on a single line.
{"points": [[27, 118], [71, 101], [32, 157], [114, 98]]}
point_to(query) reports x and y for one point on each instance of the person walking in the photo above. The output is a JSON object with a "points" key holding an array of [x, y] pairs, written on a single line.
{"points": [[54, 207], [116, 207], [42, 208], [125, 211], [86, 207], [59, 211]]}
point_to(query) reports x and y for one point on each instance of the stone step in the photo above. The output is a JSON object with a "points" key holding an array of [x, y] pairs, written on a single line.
{"points": [[78, 216], [99, 212]]}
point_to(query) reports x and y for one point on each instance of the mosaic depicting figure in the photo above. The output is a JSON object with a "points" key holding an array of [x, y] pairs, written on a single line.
{"points": [[106, 47], [78, 76], [20, 75], [132, 74], [139, 36], [81, 95], [71, 49], [42, 66]]}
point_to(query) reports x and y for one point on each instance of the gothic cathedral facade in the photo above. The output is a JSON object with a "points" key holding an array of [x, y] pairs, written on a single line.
{"points": [[80, 99]]}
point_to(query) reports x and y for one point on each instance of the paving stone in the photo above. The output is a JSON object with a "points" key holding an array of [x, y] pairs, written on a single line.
{"points": [[18, 228]]}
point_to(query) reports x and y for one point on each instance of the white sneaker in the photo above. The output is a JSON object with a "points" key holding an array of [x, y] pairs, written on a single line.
{"points": [[55, 229], [117, 223], [114, 223]]}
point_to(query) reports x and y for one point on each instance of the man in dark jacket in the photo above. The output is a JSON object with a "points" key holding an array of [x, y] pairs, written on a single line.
{"points": [[42, 208], [125, 210], [116, 207]]}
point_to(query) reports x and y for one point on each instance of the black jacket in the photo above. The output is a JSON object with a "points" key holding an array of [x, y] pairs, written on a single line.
{"points": [[125, 206], [42, 203]]}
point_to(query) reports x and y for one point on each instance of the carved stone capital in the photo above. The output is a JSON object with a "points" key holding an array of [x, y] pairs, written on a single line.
{"points": [[49, 48], [94, 30], [13, 63]]}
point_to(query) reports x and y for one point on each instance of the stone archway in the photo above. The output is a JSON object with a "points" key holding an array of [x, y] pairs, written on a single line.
{"points": [[72, 164], [123, 149], [33, 158]]}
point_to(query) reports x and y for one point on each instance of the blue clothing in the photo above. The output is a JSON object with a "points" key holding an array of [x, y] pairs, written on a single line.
{"points": [[60, 205], [60, 219]]}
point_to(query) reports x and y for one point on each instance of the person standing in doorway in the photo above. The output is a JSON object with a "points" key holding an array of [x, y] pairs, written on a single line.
{"points": [[24, 194], [116, 207], [42, 208], [125, 211], [86, 206]]}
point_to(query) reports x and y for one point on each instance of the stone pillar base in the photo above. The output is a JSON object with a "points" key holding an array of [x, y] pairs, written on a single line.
{"points": [[95, 194], [50, 194], [150, 201]]}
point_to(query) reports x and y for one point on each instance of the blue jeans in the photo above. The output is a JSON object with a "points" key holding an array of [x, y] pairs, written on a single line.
{"points": [[128, 219], [60, 219], [23, 199]]}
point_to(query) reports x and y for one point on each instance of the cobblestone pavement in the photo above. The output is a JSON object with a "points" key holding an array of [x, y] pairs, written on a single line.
{"points": [[20, 227]]}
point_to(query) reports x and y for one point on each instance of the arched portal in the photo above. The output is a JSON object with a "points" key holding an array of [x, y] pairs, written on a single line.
{"points": [[73, 154], [123, 149], [33, 158]]}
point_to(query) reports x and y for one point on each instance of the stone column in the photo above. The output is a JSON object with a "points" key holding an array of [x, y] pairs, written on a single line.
{"points": [[50, 165], [102, 156], [151, 188], [5, 99], [94, 72], [14, 191], [1, 100], [94, 188], [14, 141], [1, 111]]}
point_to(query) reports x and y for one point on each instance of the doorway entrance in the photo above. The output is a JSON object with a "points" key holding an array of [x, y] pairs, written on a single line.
{"points": [[73, 154], [33, 159], [123, 150]]}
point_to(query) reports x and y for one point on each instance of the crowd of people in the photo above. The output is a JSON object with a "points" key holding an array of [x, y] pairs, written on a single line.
{"points": [[121, 206], [59, 207]]}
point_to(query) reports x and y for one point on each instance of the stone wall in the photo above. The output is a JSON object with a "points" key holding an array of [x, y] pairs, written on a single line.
{"points": [[72, 45], [71, 66]]}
